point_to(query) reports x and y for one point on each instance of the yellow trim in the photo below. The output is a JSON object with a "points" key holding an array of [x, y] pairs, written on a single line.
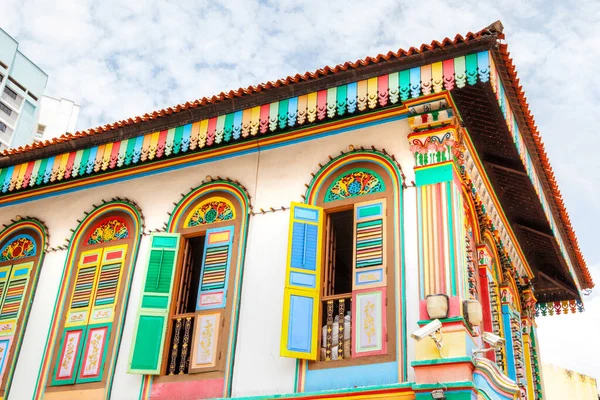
{"points": [[109, 317], [88, 309], [186, 223], [306, 292]]}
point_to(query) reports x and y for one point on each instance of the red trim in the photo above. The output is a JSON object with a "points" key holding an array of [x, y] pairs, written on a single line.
{"points": [[87, 350], [63, 354]]}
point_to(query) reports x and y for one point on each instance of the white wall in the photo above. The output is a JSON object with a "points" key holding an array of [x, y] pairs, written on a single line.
{"points": [[273, 178], [58, 115]]}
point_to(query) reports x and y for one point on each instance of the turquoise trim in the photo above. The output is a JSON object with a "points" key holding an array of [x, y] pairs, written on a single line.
{"points": [[436, 174], [451, 360], [448, 385]]}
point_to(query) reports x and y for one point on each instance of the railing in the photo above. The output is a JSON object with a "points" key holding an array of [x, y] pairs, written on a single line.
{"points": [[181, 334], [335, 337]]}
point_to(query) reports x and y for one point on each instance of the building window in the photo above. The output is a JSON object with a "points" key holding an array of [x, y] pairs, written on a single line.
{"points": [[188, 296], [10, 92], [97, 282], [21, 251], [4, 108], [2, 126], [338, 274]]}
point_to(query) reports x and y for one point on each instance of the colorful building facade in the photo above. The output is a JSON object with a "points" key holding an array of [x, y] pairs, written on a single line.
{"points": [[289, 240]]}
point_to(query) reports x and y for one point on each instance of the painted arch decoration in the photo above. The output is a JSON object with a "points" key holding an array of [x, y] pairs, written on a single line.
{"points": [[210, 211], [109, 230], [357, 182], [20, 246]]}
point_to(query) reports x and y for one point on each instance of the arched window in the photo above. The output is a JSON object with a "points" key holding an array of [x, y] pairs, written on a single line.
{"points": [[93, 293], [344, 267], [185, 324], [22, 248]]}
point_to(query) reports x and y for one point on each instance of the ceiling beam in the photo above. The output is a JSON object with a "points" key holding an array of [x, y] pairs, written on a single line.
{"points": [[536, 231], [559, 284], [506, 169]]}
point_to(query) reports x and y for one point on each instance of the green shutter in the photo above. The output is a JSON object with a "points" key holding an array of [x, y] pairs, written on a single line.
{"points": [[153, 313]]}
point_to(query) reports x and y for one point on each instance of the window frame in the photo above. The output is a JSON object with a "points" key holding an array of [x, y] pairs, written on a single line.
{"points": [[218, 371], [344, 205], [28, 295], [119, 308]]}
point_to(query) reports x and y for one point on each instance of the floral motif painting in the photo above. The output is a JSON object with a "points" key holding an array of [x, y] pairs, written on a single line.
{"points": [[108, 231], [355, 183], [210, 212], [19, 247]]}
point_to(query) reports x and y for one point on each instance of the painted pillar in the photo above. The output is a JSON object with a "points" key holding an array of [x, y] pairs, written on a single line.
{"points": [[532, 369], [435, 144], [515, 355], [484, 258]]}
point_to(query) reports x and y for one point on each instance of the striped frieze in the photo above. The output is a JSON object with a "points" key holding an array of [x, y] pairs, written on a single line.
{"points": [[244, 125], [513, 127]]}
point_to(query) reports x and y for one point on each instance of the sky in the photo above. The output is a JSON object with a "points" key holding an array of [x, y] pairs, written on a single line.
{"points": [[121, 59]]}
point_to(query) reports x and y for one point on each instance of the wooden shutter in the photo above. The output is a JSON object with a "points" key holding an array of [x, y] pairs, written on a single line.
{"points": [[369, 280], [13, 284], [77, 317], [212, 289], [212, 296], [302, 282], [104, 299], [153, 313]]}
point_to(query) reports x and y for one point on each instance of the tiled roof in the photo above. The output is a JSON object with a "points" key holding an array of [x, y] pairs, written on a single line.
{"points": [[232, 94], [545, 161], [446, 44]]}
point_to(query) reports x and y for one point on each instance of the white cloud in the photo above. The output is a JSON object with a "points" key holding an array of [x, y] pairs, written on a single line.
{"points": [[121, 59]]}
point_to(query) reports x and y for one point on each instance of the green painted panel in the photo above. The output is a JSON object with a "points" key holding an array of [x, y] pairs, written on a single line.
{"points": [[369, 211], [160, 271], [167, 242], [431, 175], [161, 302], [148, 343]]}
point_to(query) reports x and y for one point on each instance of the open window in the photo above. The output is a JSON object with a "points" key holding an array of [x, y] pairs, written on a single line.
{"points": [[336, 295], [184, 319]]}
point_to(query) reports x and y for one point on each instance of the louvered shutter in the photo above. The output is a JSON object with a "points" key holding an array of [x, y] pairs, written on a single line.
{"points": [[212, 289], [153, 313], [13, 284], [369, 280], [212, 298], [104, 299], [302, 283], [78, 314]]}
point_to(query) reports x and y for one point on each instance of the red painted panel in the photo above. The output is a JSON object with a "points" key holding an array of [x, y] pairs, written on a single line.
{"points": [[188, 390], [90, 259], [114, 255]]}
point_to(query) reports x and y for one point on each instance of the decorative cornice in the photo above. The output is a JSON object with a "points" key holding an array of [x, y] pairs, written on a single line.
{"points": [[384, 91]]}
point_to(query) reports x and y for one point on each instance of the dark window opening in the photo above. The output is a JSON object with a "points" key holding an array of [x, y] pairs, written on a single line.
{"points": [[340, 248], [182, 320], [10, 92], [4, 108], [337, 287], [2, 126]]}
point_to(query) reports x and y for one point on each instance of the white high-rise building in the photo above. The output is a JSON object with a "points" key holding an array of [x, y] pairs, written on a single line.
{"points": [[57, 117], [22, 85]]}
